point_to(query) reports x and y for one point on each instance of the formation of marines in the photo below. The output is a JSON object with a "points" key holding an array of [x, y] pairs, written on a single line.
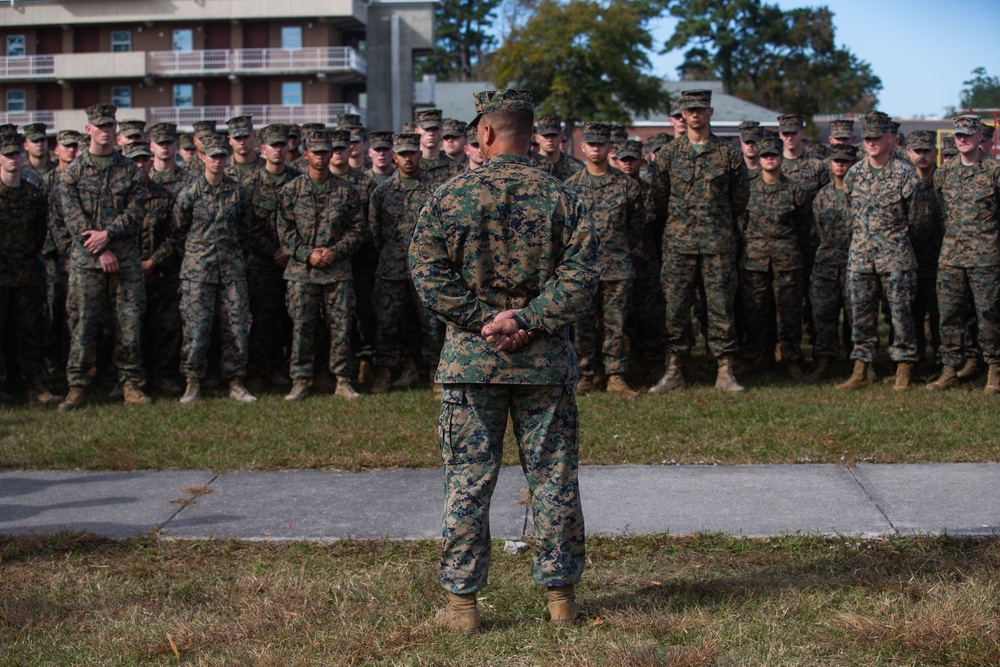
{"points": [[149, 260]]}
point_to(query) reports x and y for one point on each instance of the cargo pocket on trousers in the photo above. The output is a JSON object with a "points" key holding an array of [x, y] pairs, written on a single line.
{"points": [[463, 439]]}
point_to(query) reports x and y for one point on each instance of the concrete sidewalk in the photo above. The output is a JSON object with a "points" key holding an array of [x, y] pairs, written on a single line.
{"points": [[866, 500]]}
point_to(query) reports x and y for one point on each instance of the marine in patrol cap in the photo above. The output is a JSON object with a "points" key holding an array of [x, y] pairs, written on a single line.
{"points": [[273, 134], [546, 125], [186, 141], [791, 122], [132, 129], [34, 131], [488, 101], [69, 138], [339, 138], [750, 130], [240, 126], [596, 133], [406, 142], [429, 119], [101, 114], [452, 128], [968, 124], [769, 146], [844, 153], [380, 139], [162, 132], [695, 99], [842, 129], [136, 149], [214, 145], [203, 128], [922, 140], [875, 124], [630, 148]]}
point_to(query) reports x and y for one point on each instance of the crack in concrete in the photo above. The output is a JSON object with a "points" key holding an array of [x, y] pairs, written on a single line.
{"points": [[871, 499], [183, 507]]}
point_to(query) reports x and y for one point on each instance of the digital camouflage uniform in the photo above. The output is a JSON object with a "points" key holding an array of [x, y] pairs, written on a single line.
{"points": [[173, 180], [926, 235], [506, 237], [364, 262], [832, 225], [111, 199], [55, 253], [162, 331], [327, 214]]}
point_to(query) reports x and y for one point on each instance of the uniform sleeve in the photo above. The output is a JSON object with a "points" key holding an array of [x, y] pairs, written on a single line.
{"points": [[661, 188], [636, 216], [182, 216], [354, 234], [288, 232], [128, 223], [74, 219], [739, 186]]}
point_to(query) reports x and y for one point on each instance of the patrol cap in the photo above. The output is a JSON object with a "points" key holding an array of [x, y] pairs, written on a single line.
{"points": [[429, 119], [948, 147], [630, 148], [162, 133], [844, 153], [340, 138], [658, 141], [546, 125], [294, 130], [842, 128], [675, 109], [11, 142], [101, 114], [750, 130], [923, 139], [875, 125], [348, 121], [214, 145], [618, 133], [988, 131], [695, 99], [895, 125], [769, 146], [472, 137], [311, 127], [240, 126], [34, 131], [273, 134], [136, 149], [68, 138], [8, 128], [596, 133], [406, 142], [132, 128], [186, 141], [791, 122], [489, 101], [203, 128], [380, 139], [968, 124], [452, 128], [316, 141]]}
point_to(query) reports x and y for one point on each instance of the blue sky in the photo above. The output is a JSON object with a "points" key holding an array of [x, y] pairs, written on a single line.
{"points": [[921, 50]]}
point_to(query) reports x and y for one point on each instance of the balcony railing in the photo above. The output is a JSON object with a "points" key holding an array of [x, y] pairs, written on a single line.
{"points": [[28, 67], [330, 59], [263, 114], [22, 118]]}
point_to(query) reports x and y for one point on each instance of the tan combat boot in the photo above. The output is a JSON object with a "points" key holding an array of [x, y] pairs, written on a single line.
{"points": [[238, 392], [586, 385], [858, 379], [383, 380], [672, 379], [948, 379], [904, 371], [192, 392], [725, 380], [344, 388], [969, 369], [300, 389], [823, 370], [366, 372], [409, 378], [563, 608], [993, 380], [37, 391], [74, 399], [461, 614], [617, 385], [133, 395]]}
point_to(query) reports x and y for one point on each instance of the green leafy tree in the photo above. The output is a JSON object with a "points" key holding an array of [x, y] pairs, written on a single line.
{"points": [[584, 60], [463, 39], [982, 91]]}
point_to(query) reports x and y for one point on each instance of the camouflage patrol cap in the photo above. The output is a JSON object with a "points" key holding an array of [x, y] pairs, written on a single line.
{"points": [[380, 139], [895, 125], [750, 130], [316, 141], [240, 126], [923, 140], [132, 128], [769, 146], [406, 142], [842, 128], [844, 153], [311, 127], [8, 128], [429, 119], [214, 145], [676, 109], [102, 114], [472, 136], [547, 125], [988, 131], [162, 133], [630, 148], [348, 121], [34, 131], [340, 138], [294, 130], [186, 141], [791, 122], [203, 128], [136, 149], [968, 124], [948, 147], [68, 138], [409, 127], [695, 99], [658, 141], [875, 125], [452, 128], [11, 142], [618, 133], [596, 133], [273, 134], [489, 101]]}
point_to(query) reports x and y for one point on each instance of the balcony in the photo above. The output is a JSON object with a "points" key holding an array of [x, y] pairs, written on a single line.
{"points": [[332, 60], [263, 114], [22, 118], [27, 67]]}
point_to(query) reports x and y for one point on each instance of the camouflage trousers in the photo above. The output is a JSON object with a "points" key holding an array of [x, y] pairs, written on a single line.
{"points": [[200, 303], [680, 281], [92, 293], [953, 285], [57, 332], [828, 295], [471, 429], [399, 315], [23, 308], [645, 322], [600, 333], [898, 288], [783, 289], [161, 335], [269, 323], [333, 304]]}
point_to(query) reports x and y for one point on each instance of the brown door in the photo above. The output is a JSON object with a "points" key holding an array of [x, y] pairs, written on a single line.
{"points": [[218, 92], [217, 35], [85, 95], [86, 39], [50, 40], [256, 91], [256, 35], [49, 96]]}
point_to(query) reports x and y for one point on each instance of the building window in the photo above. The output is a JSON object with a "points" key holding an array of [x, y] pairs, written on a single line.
{"points": [[15, 100], [183, 95], [15, 46], [291, 93], [183, 40], [291, 37], [121, 96], [121, 41]]}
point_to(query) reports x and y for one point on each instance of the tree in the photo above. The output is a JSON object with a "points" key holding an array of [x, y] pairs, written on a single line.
{"points": [[786, 60], [982, 91], [584, 60], [462, 38]]}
